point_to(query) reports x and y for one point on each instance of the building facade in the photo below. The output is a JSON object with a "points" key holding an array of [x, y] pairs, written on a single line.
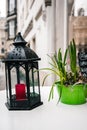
{"points": [[2, 37], [78, 23], [32, 23], [11, 22], [2, 41], [47, 25], [44, 25]]}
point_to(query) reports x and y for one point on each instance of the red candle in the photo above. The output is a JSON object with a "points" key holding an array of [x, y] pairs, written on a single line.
{"points": [[20, 91]]}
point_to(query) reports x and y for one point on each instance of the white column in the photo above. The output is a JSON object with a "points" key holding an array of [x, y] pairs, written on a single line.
{"points": [[66, 25], [51, 29], [51, 34], [61, 24]]}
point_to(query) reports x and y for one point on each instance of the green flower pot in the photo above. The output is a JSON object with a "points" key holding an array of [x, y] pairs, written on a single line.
{"points": [[85, 90], [72, 94]]}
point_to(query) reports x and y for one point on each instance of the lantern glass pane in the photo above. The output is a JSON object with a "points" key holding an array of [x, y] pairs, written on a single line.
{"points": [[35, 77], [31, 81], [22, 75], [36, 81], [13, 79], [7, 84]]}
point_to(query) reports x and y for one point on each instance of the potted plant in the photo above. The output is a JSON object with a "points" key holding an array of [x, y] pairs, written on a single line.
{"points": [[69, 85]]}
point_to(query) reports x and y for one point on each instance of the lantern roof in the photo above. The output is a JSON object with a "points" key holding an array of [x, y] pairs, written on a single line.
{"points": [[21, 51]]}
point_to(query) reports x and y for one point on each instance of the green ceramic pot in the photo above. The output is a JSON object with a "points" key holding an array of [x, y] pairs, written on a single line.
{"points": [[85, 90], [72, 94]]}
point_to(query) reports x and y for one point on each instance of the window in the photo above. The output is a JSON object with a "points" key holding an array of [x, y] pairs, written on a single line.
{"points": [[81, 12], [2, 43], [12, 28], [12, 6], [2, 50]]}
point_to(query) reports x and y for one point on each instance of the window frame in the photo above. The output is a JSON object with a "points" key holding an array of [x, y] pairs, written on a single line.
{"points": [[14, 11], [9, 36]]}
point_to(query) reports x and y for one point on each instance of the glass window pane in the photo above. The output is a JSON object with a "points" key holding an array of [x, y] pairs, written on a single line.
{"points": [[11, 5], [12, 29]]}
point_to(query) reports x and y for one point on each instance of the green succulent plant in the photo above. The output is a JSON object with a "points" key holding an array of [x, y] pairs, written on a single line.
{"points": [[73, 61], [58, 67]]}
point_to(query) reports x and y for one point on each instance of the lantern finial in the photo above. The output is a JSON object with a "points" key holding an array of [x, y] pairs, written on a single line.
{"points": [[19, 40]]}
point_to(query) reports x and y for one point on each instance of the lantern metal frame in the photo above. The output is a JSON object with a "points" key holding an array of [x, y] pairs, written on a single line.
{"points": [[33, 99]]}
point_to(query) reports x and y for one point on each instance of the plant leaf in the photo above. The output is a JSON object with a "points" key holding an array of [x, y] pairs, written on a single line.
{"points": [[45, 78], [51, 92], [65, 56]]}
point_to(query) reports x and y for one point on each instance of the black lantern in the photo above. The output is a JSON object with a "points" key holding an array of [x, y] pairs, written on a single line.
{"points": [[22, 77]]}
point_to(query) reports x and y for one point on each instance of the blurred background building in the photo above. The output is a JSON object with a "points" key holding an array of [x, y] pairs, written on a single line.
{"points": [[78, 23], [43, 28], [11, 22], [2, 36], [46, 25], [2, 41], [2, 51]]}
